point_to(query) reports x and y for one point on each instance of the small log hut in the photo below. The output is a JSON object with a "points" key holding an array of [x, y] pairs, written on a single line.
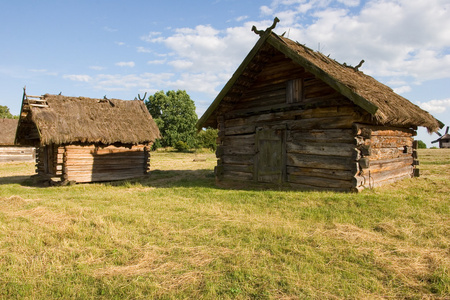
{"points": [[295, 117], [9, 152], [87, 140]]}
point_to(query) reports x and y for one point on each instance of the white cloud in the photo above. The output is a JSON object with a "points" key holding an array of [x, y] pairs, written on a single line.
{"points": [[349, 2], [120, 43], [402, 89], [435, 106], [156, 62], [181, 64], [126, 64], [266, 11], [97, 68], [151, 36], [143, 50], [241, 18], [82, 78]]}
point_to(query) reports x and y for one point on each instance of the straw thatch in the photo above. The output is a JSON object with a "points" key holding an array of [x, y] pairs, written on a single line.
{"points": [[386, 107], [80, 120], [8, 131]]}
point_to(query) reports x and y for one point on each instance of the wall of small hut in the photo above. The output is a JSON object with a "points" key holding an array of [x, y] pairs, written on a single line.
{"points": [[290, 127], [90, 163], [16, 154], [9, 151]]}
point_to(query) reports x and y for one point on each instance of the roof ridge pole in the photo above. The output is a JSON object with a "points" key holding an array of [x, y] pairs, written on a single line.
{"points": [[268, 30]]}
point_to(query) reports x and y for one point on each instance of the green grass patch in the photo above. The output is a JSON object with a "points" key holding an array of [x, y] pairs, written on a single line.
{"points": [[174, 234]]}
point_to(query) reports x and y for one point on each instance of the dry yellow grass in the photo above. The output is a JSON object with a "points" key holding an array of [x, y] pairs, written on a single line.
{"points": [[174, 234]]}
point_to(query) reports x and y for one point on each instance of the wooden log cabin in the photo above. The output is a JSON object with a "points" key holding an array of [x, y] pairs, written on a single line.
{"points": [[292, 116], [9, 152], [87, 140]]}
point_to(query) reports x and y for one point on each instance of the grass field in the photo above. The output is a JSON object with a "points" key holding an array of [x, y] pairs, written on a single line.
{"points": [[174, 234]]}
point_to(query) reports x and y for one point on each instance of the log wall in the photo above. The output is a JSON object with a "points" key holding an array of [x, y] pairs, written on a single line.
{"points": [[387, 154], [319, 144], [92, 163], [16, 154]]}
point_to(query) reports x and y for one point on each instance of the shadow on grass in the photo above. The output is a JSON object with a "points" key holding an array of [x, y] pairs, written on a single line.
{"points": [[20, 179], [201, 178], [171, 178]]}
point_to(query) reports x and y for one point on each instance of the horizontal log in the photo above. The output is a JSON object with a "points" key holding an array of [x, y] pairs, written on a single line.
{"points": [[239, 168], [387, 153], [12, 158], [102, 178], [333, 149], [320, 162], [383, 130], [343, 122], [321, 136], [323, 173], [388, 174], [236, 140], [320, 182], [240, 130], [239, 176], [316, 188], [390, 141], [379, 183], [238, 159], [230, 150], [378, 164]]}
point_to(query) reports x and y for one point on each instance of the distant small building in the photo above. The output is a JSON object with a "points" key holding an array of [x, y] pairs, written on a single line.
{"points": [[292, 116], [87, 140], [9, 152], [444, 140]]}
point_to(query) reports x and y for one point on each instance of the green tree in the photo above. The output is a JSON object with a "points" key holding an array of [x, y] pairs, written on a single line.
{"points": [[421, 145], [174, 113], [5, 113], [207, 139]]}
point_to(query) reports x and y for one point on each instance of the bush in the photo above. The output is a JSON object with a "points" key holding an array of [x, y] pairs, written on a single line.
{"points": [[181, 146], [421, 145]]}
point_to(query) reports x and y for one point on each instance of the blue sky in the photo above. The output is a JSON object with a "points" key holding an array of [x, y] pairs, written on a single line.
{"points": [[122, 48]]}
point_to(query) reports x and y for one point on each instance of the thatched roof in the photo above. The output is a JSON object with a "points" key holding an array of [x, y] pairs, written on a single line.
{"points": [[56, 119], [8, 131], [387, 107]]}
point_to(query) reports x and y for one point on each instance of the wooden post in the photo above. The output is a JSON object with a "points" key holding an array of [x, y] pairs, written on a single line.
{"points": [[416, 171]]}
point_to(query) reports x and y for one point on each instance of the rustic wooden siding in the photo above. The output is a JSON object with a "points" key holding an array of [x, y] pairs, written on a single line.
{"points": [[319, 144], [90, 163], [388, 154], [16, 154]]}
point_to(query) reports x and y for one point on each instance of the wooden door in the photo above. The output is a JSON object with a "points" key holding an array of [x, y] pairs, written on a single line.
{"points": [[270, 159]]}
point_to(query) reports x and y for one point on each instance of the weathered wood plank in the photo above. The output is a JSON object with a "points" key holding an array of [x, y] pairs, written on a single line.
{"points": [[322, 136], [325, 173], [320, 162], [333, 149], [230, 150], [239, 176], [320, 182], [238, 159]]}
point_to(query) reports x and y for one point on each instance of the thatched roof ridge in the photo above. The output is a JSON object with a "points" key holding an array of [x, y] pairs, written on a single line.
{"points": [[80, 120], [8, 129], [387, 107]]}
